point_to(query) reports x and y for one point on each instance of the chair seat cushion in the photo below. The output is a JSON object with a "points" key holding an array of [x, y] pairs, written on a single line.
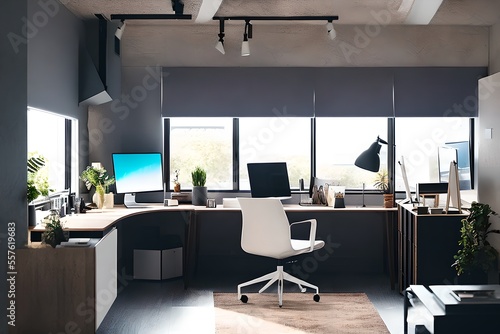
{"points": [[303, 246]]}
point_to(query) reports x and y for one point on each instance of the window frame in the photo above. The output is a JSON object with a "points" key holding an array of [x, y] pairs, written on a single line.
{"points": [[391, 159]]}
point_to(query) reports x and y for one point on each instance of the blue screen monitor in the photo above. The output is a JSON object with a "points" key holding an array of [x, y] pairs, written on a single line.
{"points": [[269, 179], [137, 172]]}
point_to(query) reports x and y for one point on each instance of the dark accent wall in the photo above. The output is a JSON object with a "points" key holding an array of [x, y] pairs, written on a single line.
{"points": [[13, 136]]}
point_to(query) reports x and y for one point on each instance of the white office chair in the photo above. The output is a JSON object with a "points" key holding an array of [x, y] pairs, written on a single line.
{"points": [[267, 232]]}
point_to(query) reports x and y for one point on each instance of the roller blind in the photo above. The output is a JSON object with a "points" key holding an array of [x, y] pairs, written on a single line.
{"points": [[237, 92], [354, 92], [437, 91]]}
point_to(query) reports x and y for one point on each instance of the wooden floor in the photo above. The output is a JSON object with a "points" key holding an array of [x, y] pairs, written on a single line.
{"points": [[166, 307]]}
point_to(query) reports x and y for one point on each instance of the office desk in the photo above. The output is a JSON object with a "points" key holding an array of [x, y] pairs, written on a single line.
{"points": [[357, 235], [210, 232], [97, 223], [426, 246]]}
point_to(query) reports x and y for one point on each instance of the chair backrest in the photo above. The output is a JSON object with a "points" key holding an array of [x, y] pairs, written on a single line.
{"points": [[265, 227]]}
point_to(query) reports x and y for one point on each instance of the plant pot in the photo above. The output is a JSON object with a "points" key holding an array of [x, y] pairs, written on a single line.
{"points": [[109, 201], [199, 196], [339, 202], [388, 200], [31, 215], [473, 277]]}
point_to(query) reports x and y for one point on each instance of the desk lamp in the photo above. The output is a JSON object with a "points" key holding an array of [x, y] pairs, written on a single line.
{"points": [[370, 159]]}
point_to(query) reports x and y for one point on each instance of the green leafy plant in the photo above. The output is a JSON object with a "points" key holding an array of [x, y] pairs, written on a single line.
{"points": [[53, 234], [381, 181], [476, 252], [199, 177], [98, 178], [38, 183]]}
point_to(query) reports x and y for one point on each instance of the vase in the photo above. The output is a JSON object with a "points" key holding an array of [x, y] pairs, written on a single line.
{"points": [[199, 196], [388, 200], [98, 197], [109, 201], [31, 215], [177, 187]]}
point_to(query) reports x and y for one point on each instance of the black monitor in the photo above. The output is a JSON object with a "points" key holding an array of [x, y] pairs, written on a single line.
{"points": [[269, 179], [137, 172]]}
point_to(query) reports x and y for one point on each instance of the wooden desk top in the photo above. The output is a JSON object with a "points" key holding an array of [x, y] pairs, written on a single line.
{"points": [[100, 220]]}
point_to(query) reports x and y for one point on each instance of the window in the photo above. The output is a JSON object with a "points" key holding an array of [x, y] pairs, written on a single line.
{"points": [[276, 139], [418, 140], [47, 136], [204, 142], [208, 142], [339, 141]]}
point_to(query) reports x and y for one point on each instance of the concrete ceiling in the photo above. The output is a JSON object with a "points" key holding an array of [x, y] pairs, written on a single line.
{"points": [[354, 12], [292, 43]]}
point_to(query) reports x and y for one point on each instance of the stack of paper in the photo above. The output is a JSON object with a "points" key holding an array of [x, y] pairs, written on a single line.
{"points": [[76, 242]]}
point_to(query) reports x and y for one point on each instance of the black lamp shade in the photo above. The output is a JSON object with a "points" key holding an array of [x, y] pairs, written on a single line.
{"points": [[370, 159]]}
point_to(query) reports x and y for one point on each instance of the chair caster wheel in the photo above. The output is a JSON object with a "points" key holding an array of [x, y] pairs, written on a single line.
{"points": [[244, 298], [280, 306], [316, 298]]}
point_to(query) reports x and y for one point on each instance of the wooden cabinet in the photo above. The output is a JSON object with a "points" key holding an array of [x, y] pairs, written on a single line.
{"points": [[426, 246], [66, 290]]}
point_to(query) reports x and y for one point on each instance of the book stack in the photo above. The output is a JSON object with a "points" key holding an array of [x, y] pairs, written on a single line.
{"points": [[182, 197], [76, 242]]}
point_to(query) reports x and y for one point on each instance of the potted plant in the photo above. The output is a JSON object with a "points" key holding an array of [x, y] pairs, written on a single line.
{"points": [[199, 195], [382, 184], [53, 234], [37, 185], [98, 178], [476, 256]]}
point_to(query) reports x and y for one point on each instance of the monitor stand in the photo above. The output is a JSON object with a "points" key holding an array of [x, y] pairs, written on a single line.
{"points": [[129, 201]]}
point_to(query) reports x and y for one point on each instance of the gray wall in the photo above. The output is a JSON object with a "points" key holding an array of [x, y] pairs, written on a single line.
{"points": [[53, 62], [13, 97], [488, 152], [131, 123], [494, 65]]}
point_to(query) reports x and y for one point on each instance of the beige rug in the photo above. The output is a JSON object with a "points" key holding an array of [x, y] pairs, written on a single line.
{"points": [[335, 313]]}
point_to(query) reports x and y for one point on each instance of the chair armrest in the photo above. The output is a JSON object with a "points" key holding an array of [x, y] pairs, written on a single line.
{"points": [[312, 231]]}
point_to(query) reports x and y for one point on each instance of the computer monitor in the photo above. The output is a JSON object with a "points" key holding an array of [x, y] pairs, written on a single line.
{"points": [[269, 179], [137, 172], [460, 153]]}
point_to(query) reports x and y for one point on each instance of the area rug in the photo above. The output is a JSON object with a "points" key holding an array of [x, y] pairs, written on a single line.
{"points": [[334, 313]]}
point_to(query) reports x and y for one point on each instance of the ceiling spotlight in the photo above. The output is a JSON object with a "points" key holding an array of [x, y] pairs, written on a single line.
{"points": [[120, 30], [331, 30], [220, 44], [245, 47]]}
